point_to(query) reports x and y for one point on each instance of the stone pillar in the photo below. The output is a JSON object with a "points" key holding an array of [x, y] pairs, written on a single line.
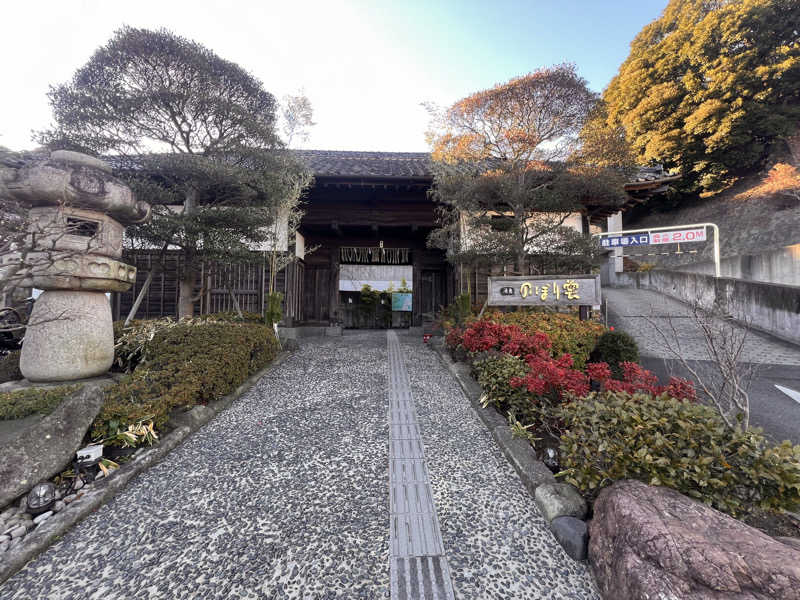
{"points": [[77, 212]]}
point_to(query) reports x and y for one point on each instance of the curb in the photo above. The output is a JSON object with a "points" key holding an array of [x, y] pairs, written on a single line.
{"points": [[103, 490], [531, 471], [519, 453]]}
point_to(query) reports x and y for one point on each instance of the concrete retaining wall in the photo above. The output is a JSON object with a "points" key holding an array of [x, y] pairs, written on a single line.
{"points": [[780, 266], [767, 307]]}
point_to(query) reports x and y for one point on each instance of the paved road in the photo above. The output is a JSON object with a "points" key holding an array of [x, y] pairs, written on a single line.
{"points": [[640, 312], [286, 495]]}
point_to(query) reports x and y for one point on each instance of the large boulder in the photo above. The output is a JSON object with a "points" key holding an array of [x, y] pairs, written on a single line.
{"points": [[653, 542], [49, 444]]}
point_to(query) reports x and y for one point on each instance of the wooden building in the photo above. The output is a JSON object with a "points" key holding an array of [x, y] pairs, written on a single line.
{"points": [[367, 219]]}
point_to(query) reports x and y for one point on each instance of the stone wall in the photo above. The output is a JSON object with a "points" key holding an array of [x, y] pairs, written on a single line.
{"points": [[767, 307]]}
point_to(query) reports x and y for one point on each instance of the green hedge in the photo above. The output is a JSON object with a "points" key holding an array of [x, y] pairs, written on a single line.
{"points": [[682, 445], [184, 364], [615, 347], [494, 375], [22, 403], [9, 367]]}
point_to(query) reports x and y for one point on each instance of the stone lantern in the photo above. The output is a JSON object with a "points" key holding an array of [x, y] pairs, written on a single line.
{"points": [[78, 211]]}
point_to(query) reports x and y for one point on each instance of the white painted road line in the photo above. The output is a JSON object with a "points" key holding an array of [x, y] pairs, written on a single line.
{"points": [[794, 395]]}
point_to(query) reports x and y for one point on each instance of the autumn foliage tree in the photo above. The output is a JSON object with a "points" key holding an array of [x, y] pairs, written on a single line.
{"points": [[710, 88], [508, 173]]}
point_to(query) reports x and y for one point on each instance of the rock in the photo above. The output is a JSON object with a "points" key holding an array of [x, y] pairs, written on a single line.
{"points": [[70, 498], [78, 158], [74, 337], [47, 447], [523, 458], [19, 531], [192, 418], [58, 506], [653, 542], [100, 475], [78, 484], [559, 500], [43, 517], [4, 546], [572, 534], [4, 538], [790, 541]]}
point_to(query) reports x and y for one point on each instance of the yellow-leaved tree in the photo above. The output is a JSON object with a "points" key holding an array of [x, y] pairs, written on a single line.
{"points": [[710, 88]]}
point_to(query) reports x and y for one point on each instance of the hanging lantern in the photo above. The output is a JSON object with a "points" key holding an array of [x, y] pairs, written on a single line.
{"points": [[41, 498]]}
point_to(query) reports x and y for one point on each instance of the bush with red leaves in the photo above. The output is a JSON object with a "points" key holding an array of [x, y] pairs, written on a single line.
{"points": [[637, 379], [484, 335]]}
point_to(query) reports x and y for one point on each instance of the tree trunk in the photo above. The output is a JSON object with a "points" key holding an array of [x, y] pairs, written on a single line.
{"points": [[186, 283]]}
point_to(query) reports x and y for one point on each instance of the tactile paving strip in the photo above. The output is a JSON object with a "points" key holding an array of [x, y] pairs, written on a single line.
{"points": [[418, 568]]}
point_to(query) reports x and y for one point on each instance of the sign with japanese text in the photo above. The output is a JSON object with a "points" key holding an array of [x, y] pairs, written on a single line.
{"points": [[623, 241], [401, 301], [678, 236], [549, 290]]}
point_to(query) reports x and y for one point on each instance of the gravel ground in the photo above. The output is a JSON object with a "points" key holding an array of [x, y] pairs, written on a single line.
{"points": [[284, 495], [497, 544]]}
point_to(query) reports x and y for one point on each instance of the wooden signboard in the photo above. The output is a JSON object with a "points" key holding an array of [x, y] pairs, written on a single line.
{"points": [[547, 290]]}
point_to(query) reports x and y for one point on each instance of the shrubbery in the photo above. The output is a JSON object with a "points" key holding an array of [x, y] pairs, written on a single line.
{"points": [[494, 374], [182, 364], [630, 425], [9, 367], [566, 333], [23, 403], [663, 441], [615, 348]]}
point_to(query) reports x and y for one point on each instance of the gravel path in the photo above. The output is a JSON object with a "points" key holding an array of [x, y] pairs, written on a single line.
{"points": [[285, 495], [497, 544]]}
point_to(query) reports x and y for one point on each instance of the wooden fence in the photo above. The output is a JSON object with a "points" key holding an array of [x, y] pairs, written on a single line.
{"points": [[249, 282]]}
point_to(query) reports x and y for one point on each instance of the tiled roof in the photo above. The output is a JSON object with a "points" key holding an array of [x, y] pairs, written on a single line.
{"points": [[339, 163]]}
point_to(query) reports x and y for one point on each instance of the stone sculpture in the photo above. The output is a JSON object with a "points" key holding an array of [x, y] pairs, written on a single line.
{"points": [[78, 211]]}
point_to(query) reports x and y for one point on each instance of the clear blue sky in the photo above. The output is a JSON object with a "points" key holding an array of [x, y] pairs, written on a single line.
{"points": [[366, 65], [476, 44]]}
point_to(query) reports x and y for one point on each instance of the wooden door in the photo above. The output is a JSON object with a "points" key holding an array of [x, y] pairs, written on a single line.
{"points": [[317, 293], [431, 291]]}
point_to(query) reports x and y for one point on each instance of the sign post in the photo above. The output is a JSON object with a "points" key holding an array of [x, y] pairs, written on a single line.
{"points": [[677, 234], [546, 290]]}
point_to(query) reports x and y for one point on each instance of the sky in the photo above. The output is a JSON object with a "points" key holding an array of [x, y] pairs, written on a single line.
{"points": [[366, 66]]}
